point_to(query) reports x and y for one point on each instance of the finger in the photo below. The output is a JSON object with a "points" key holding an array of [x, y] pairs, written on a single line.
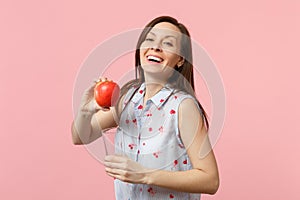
{"points": [[115, 176], [117, 172], [105, 108], [115, 158], [115, 165], [92, 106], [95, 107], [111, 175]]}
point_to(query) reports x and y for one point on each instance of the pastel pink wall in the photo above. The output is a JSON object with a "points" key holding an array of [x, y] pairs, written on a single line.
{"points": [[255, 45]]}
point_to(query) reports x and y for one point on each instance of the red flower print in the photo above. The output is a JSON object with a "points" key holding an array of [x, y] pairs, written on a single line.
{"points": [[150, 129], [141, 91], [151, 191], [161, 129], [185, 161], [134, 121], [131, 146], [171, 196], [175, 97], [144, 143], [155, 154], [172, 112], [138, 151], [140, 107], [175, 163], [127, 121], [149, 114], [162, 100]]}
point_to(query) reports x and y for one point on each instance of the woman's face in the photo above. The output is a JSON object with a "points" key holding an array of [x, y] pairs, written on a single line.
{"points": [[160, 50]]}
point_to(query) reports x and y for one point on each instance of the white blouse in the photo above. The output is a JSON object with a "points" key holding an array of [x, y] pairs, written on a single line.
{"points": [[150, 136]]}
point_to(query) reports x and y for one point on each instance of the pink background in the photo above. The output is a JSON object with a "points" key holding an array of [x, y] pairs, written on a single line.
{"points": [[255, 45]]}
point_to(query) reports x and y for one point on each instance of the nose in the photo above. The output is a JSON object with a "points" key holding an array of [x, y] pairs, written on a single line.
{"points": [[156, 47]]}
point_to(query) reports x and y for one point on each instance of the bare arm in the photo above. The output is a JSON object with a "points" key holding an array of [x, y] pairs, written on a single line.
{"points": [[91, 119], [88, 127], [203, 178]]}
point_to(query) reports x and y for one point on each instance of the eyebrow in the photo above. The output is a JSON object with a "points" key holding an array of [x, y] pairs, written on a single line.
{"points": [[165, 36]]}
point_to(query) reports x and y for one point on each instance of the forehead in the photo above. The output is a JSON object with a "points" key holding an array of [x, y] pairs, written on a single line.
{"points": [[166, 28]]}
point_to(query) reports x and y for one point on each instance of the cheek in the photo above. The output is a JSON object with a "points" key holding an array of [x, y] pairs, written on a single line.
{"points": [[173, 59], [143, 48], [142, 51]]}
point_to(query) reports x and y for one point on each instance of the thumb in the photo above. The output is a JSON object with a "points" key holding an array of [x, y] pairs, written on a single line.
{"points": [[96, 107]]}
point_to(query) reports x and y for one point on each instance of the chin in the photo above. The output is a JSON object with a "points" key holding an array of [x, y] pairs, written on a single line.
{"points": [[152, 68], [157, 72]]}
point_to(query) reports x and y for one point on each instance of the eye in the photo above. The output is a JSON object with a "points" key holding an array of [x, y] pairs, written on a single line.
{"points": [[149, 39], [170, 44]]}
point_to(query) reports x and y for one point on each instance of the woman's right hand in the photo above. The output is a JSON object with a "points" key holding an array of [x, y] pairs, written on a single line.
{"points": [[88, 103], [89, 123]]}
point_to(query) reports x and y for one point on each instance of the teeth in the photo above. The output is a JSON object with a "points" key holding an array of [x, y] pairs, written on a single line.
{"points": [[156, 59]]}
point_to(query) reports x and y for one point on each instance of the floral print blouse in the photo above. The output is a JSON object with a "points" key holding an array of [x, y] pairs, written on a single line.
{"points": [[150, 136]]}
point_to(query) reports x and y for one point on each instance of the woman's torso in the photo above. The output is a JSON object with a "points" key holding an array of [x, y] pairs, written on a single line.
{"points": [[150, 136]]}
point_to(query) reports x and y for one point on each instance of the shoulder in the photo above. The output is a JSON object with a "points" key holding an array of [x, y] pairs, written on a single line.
{"points": [[188, 107], [184, 99], [183, 102], [189, 112], [189, 104]]}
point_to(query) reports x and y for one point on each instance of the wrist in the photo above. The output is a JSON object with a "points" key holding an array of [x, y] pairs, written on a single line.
{"points": [[150, 176]]}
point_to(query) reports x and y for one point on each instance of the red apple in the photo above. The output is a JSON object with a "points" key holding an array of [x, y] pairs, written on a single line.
{"points": [[106, 93]]}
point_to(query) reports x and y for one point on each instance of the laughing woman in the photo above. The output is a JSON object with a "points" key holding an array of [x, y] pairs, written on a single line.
{"points": [[162, 148]]}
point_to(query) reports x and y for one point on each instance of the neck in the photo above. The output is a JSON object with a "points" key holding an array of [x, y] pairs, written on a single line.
{"points": [[153, 85]]}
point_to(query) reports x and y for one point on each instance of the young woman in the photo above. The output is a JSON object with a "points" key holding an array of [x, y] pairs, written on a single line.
{"points": [[162, 147]]}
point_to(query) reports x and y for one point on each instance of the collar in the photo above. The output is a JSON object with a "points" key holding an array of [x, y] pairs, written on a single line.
{"points": [[158, 99]]}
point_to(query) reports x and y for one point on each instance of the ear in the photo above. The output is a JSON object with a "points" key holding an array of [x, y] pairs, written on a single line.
{"points": [[180, 62]]}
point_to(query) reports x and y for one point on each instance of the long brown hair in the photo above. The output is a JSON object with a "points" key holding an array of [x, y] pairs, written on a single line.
{"points": [[183, 80]]}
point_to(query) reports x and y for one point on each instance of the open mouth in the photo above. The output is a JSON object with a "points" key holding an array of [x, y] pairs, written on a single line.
{"points": [[154, 59]]}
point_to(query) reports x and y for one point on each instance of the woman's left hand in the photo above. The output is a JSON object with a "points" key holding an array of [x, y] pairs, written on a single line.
{"points": [[125, 169]]}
